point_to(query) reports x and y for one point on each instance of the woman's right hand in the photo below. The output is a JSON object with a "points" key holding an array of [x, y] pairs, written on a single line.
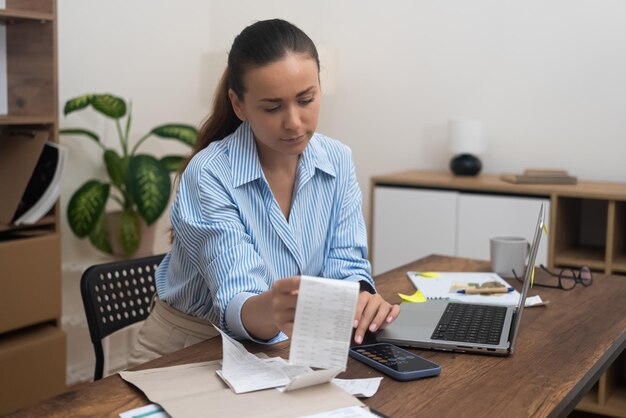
{"points": [[284, 296]]}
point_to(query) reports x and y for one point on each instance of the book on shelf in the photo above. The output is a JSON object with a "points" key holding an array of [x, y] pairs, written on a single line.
{"points": [[540, 176], [44, 186], [30, 174]]}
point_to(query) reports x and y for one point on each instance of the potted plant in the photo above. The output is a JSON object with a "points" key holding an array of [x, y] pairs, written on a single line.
{"points": [[139, 183]]}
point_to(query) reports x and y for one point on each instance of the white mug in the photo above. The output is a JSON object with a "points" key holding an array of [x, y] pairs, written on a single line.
{"points": [[509, 254]]}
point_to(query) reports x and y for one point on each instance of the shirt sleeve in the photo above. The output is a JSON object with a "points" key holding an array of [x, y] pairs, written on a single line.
{"points": [[347, 258], [207, 221]]}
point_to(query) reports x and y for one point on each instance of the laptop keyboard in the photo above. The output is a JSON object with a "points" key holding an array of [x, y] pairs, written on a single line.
{"points": [[464, 322]]}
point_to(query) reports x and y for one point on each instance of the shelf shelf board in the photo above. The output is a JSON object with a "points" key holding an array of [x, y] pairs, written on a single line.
{"points": [[614, 407], [45, 222], [24, 15], [578, 257], [590, 401], [26, 120], [619, 263]]}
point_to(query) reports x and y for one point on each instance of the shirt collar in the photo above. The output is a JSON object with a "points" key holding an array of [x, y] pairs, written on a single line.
{"points": [[245, 158], [315, 156]]}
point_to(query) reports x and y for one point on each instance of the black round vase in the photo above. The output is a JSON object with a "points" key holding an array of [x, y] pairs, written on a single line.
{"points": [[465, 165]]}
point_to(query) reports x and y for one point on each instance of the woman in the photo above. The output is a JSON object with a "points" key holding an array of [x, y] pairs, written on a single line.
{"points": [[263, 200]]}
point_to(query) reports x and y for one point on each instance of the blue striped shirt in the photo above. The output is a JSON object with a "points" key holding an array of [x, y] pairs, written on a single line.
{"points": [[232, 241]]}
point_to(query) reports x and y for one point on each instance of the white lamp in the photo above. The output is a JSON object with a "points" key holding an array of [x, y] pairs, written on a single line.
{"points": [[466, 140]]}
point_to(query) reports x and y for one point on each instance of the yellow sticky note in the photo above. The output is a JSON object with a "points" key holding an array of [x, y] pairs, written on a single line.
{"points": [[532, 277], [430, 275], [545, 228], [416, 297]]}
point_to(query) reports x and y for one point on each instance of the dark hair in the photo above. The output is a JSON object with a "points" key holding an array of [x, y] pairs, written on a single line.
{"points": [[259, 44]]}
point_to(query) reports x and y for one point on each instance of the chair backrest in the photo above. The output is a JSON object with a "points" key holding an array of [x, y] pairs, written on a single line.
{"points": [[116, 295]]}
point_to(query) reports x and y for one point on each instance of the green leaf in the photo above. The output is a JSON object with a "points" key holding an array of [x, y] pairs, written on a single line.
{"points": [[99, 236], [109, 105], [116, 167], [77, 103], [128, 120], [186, 134], [149, 185], [172, 163], [129, 232], [86, 206], [79, 131]]}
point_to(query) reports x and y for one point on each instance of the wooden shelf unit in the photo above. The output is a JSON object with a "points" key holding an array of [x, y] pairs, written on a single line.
{"points": [[619, 239], [47, 120], [588, 219], [17, 15], [587, 228], [608, 396], [30, 255]]}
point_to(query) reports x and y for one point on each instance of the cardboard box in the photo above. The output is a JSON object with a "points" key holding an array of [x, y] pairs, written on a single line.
{"points": [[32, 362], [30, 281]]}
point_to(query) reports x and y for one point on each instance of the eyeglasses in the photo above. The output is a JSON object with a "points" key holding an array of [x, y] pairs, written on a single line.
{"points": [[568, 277]]}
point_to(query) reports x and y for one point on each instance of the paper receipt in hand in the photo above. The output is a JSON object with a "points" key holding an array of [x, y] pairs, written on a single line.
{"points": [[323, 323]]}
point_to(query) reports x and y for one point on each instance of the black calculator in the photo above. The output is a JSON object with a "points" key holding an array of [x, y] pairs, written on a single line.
{"points": [[394, 361]]}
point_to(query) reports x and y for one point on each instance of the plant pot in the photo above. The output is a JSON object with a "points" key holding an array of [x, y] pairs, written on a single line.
{"points": [[147, 236]]}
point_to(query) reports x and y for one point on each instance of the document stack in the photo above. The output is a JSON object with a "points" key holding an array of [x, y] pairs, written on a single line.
{"points": [[540, 176]]}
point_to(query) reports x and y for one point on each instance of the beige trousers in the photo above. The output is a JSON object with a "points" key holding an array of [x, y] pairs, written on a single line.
{"points": [[167, 330]]}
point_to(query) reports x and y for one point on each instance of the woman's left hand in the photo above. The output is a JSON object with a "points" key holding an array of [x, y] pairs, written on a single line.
{"points": [[373, 313]]}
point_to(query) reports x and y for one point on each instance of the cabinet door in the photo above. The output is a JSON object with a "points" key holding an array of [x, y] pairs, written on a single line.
{"points": [[410, 224], [482, 217]]}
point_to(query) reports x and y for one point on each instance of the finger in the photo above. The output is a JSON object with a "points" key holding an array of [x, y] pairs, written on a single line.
{"points": [[360, 306], [287, 285], [381, 315], [284, 301], [285, 317], [366, 318], [393, 315], [287, 328]]}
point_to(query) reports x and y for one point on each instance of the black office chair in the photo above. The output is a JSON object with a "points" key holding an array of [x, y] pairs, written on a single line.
{"points": [[116, 295]]}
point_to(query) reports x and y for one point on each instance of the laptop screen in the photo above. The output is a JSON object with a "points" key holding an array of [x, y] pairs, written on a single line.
{"points": [[530, 267]]}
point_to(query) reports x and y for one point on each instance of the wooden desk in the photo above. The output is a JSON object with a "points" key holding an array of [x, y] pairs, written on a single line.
{"points": [[561, 351]]}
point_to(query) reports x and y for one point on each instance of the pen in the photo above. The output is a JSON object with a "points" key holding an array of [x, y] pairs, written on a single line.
{"points": [[478, 291]]}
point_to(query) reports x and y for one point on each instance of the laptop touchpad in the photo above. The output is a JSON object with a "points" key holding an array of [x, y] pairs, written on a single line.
{"points": [[417, 317]]}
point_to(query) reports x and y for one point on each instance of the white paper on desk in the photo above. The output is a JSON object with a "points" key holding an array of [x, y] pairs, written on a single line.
{"points": [[361, 388], [152, 410], [302, 376], [351, 412], [245, 372], [192, 390], [292, 371], [323, 324], [444, 285], [534, 301]]}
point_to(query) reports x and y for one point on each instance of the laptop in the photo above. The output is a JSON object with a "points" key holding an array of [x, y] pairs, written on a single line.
{"points": [[463, 327]]}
